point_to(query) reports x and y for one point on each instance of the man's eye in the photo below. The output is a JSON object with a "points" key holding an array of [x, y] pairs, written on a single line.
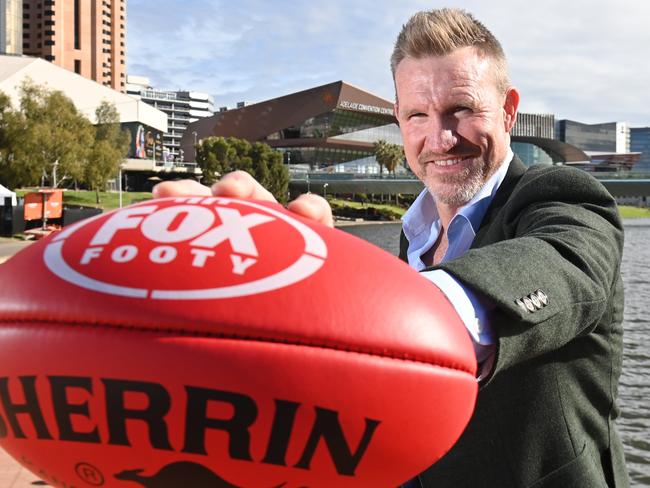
{"points": [[416, 115], [462, 108]]}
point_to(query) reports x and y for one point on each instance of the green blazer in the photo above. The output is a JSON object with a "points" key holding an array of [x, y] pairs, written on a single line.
{"points": [[545, 417]]}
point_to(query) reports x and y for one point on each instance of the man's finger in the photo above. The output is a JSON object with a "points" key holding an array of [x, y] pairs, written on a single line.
{"points": [[180, 188], [313, 207], [240, 184]]}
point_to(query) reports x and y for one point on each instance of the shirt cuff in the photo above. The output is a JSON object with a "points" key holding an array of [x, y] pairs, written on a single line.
{"points": [[474, 312]]}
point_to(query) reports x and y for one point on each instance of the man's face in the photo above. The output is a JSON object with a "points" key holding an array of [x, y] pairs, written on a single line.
{"points": [[454, 122]]}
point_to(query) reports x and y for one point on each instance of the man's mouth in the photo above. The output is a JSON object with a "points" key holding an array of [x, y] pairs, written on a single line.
{"points": [[447, 162]]}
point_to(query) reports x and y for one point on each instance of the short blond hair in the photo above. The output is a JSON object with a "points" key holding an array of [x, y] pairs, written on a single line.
{"points": [[440, 32]]}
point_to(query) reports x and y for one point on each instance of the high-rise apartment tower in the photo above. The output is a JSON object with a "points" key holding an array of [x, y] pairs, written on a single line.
{"points": [[84, 36]]}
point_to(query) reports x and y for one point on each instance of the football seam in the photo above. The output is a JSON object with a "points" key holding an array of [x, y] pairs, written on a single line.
{"points": [[333, 346]]}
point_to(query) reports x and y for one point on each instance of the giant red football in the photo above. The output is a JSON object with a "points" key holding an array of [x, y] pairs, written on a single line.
{"points": [[215, 342]]}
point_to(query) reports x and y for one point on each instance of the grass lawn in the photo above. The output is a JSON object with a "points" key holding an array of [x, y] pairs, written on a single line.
{"points": [[628, 212], [359, 205], [108, 200]]}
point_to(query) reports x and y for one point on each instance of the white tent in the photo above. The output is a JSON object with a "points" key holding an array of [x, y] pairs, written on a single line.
{"points": [[4, 192]]}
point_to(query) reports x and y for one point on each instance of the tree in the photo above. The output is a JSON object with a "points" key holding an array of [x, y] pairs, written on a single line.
{"points": [[110, 146], [388, 155], [56, 138], [218, 155], [11, 128]]}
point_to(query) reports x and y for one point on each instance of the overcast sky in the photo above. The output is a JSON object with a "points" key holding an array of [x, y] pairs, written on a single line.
{"points": [[586, 60]]}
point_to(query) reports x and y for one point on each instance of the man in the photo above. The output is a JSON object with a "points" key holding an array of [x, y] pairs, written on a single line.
{"points": [[529, 257]]}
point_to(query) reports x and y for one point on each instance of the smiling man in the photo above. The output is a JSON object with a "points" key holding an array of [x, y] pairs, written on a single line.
{"points": [[529, 257]]}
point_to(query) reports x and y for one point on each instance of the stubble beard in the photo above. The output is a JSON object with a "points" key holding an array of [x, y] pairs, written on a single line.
{"points": [[459, 188]]}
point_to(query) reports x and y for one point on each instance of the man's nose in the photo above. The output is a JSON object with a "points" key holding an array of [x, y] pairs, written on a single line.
{"points": [[441, 136]]}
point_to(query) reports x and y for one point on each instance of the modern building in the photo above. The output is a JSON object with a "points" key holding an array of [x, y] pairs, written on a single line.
{"points": [[528, 133], [640, 142], [145, 163], [315, 128], [83, 36], [181, 107], [11, 27], [611, 137]]}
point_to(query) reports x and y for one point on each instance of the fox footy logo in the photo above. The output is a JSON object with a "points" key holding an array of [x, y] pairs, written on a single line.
{"points": [[187, 249]]}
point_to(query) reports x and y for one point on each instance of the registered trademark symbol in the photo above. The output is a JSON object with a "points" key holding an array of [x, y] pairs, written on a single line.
{"points": [[90, 474]]}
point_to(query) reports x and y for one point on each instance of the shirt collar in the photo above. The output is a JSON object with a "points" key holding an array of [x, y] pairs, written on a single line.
{"points": [[423, 213]]}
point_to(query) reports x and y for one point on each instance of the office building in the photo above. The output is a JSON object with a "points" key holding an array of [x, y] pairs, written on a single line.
{"points": [[181, 107], [83, 36], [612, 137], [11, 27], [640, 142]]}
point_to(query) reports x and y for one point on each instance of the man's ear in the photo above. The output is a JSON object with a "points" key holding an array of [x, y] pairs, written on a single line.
{"points": [[510, 106], [396, 111]]}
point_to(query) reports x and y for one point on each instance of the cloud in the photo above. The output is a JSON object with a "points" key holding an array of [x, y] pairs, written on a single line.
{"points": [[584, 60]]}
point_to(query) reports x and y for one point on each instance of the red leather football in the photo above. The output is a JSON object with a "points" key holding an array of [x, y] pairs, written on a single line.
{"points": [[214, 342]]}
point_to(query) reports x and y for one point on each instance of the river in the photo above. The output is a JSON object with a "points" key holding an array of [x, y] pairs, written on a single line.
{"points": [[634, 392]]}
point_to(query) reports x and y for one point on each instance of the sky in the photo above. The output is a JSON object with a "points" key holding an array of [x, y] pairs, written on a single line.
{"points": [[584, 60]]}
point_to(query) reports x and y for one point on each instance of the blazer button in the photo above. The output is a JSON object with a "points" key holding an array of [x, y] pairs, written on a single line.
{"points": [[529, 304], [536, 301], [542, 297], [521, 304]]}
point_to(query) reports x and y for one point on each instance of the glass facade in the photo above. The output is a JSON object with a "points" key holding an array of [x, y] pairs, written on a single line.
{"points": [[640, 142], [588, 137], [355, 130], [530, 154], [330, 124]]}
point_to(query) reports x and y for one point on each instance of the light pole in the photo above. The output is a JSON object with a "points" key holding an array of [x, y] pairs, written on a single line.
{"points": [[195, 143], [288, 173], [325, 191], [119, 183]]}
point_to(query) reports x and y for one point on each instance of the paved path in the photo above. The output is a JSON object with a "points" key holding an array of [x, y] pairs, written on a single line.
{"points": [[13, 475], [9, 247]]}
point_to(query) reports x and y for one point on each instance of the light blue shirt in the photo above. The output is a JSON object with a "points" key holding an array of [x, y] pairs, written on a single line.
{"points": [[421, 224]]}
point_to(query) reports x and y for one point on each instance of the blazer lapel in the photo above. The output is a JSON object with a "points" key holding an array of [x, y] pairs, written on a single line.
{"points": [[515, 171]]}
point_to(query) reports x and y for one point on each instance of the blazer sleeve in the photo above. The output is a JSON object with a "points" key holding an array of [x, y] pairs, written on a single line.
{"points": [[558, 232]]}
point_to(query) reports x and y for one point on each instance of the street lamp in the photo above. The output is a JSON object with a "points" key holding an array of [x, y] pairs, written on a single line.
{"points": [[325, 190], [195, 143]]}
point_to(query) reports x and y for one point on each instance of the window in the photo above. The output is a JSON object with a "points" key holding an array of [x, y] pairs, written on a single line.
{"points": [[77, 66], [49, 43], [49, 32], [25, 16], [25, 45], [49, 57], [77, 25], [25, 26], [49, 22]]}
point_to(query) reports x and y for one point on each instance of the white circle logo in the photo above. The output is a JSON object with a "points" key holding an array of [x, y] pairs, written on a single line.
{"points": [[191, 248]]}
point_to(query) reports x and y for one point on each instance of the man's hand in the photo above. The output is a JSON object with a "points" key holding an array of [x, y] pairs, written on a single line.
{"points": [[240, 184]]}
